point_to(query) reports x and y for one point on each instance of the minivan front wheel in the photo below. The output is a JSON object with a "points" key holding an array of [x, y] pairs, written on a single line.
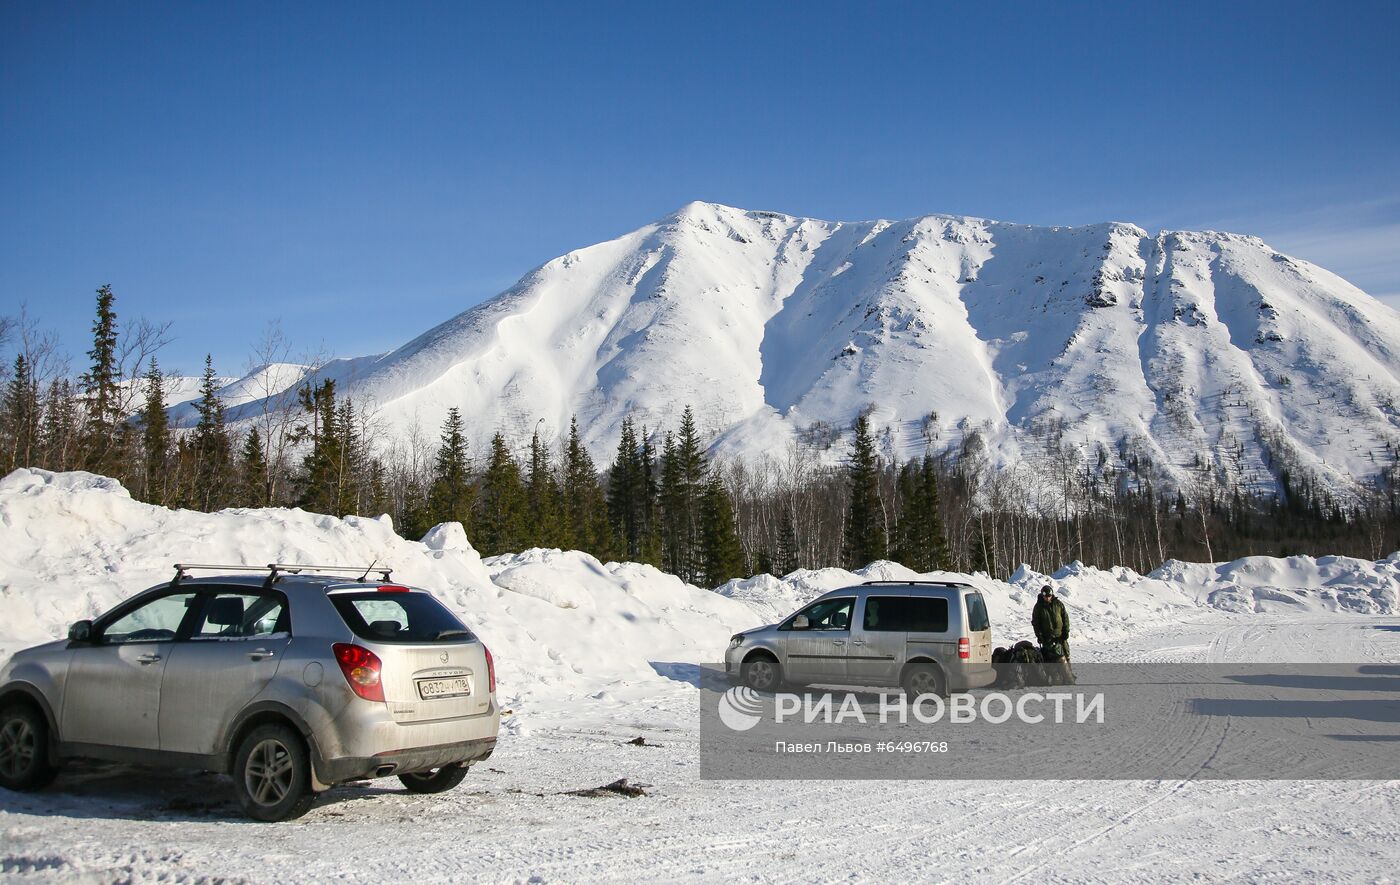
{"points": [[762, 673], [24, 749], [922, 679], [439, 781], [272, 774]]}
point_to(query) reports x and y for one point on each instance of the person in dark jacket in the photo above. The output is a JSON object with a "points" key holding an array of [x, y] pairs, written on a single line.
{"points": [[1051, 622]]}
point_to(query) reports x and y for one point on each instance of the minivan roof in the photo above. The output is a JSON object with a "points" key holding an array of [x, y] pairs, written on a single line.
{"points": [[929, 587]]}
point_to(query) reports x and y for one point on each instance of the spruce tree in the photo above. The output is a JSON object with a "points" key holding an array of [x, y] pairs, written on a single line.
{"points": [[60, 429], [684, 468], [545, 519], [211, 445], [585, 505], [253, 477], [155, 438], [500, 507], [865, 527], [627, 494], [21, 418], [417, 515], [352, 460], [651, 552], [378, 498], [721, 553], [320, 485], [920, 542], [98, 386], [450, 495]]}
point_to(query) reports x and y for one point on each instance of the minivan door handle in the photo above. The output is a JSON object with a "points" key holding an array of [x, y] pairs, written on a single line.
{"points": [[857, 642], [838, 642], [261, 654], [148, 658]]}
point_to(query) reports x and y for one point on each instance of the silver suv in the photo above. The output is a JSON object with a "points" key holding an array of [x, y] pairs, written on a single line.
{"points": [[289, 681], [925, 637]]}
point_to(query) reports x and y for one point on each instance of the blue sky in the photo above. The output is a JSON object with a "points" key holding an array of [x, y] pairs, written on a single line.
{"points": [[362, 171]]}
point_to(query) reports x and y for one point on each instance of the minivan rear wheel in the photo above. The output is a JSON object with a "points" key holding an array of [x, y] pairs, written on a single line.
{"points": [[272, 774], [762, 673], [922, 679], [24, 749], [439, 781]]}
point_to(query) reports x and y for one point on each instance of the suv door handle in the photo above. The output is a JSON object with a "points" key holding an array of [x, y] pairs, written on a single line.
{"points": [[148, 658], [261, 654]]}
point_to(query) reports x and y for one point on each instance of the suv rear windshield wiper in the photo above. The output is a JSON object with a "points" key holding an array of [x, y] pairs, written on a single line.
{"points": [[452, 634]]}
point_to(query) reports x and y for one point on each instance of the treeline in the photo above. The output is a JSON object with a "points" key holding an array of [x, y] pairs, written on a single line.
{"points": [[661, 499]]}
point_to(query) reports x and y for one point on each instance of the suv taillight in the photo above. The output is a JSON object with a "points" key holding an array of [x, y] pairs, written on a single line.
{"points": [[362, 670], [964, 648], [490, 668]]}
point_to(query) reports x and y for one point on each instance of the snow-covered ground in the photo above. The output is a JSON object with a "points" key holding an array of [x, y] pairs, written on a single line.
{"points": [[592, 655]]}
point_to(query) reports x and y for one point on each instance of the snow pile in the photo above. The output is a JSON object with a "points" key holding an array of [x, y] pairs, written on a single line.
{"points": [[564, 626], [1298, 584], [561, 624]]}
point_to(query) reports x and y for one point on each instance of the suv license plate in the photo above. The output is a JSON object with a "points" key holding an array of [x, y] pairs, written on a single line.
{"points": [[443, 688]]}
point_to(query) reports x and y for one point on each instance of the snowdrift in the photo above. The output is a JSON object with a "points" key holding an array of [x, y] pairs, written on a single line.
{"points": [[563, 625]]}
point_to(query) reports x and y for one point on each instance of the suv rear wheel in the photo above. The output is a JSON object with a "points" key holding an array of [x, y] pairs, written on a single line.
{"points": [[24, 749], [439, 781], [272, 774]]}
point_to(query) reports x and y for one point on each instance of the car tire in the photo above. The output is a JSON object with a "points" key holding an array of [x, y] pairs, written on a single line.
{"points": [[272, 774], [439, 781], [762, 673], [24, 749], [922, 679]]}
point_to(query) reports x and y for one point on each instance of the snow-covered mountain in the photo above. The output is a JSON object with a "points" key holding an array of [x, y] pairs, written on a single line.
{"points": [[1104, 343]]}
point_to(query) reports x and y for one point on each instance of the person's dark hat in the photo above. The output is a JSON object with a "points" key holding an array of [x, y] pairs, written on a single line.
{"points": [[1046, 591]]}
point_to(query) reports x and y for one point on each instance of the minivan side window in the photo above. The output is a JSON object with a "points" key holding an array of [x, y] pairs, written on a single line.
{"points": [[977, 612], [829, 614], [906, 614]]}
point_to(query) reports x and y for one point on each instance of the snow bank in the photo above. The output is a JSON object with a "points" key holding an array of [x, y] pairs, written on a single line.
{"points": [[563, 625]]}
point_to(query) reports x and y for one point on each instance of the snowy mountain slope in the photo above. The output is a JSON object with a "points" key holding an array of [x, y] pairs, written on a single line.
{"points": [[1100, 345]]}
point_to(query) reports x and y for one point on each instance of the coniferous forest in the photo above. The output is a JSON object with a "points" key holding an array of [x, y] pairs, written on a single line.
{"points": [[661, 499]]}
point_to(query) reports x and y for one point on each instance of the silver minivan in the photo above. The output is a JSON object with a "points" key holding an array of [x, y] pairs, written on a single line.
{"points": [[925, 637]]}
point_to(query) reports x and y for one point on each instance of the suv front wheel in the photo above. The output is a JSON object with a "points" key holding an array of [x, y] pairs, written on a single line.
{"points": [[24, 748], [272, 774]]}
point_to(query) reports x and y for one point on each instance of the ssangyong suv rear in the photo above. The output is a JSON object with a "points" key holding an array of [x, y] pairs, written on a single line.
{"points": [[423, 688]]}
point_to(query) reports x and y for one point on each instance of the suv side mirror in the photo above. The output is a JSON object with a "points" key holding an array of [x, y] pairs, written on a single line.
{"points": [[801, 623], [80, 632]]}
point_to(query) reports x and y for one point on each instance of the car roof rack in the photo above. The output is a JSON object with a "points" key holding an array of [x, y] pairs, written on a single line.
{"points": [[276, 570], [929, 583]]}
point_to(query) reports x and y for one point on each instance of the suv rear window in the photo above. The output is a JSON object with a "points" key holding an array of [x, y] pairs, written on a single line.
{"points": [[977, 613], [399, 617], [909, 614]]}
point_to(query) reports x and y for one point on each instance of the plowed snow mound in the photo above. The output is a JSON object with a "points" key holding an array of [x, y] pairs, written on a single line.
{"points": [[563, 625]]}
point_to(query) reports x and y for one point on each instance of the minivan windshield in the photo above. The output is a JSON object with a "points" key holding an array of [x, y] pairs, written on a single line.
{"points": [[399, 617]]}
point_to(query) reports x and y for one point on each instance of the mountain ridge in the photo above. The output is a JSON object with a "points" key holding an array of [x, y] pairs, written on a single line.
{"points": [[1104, 345]]}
